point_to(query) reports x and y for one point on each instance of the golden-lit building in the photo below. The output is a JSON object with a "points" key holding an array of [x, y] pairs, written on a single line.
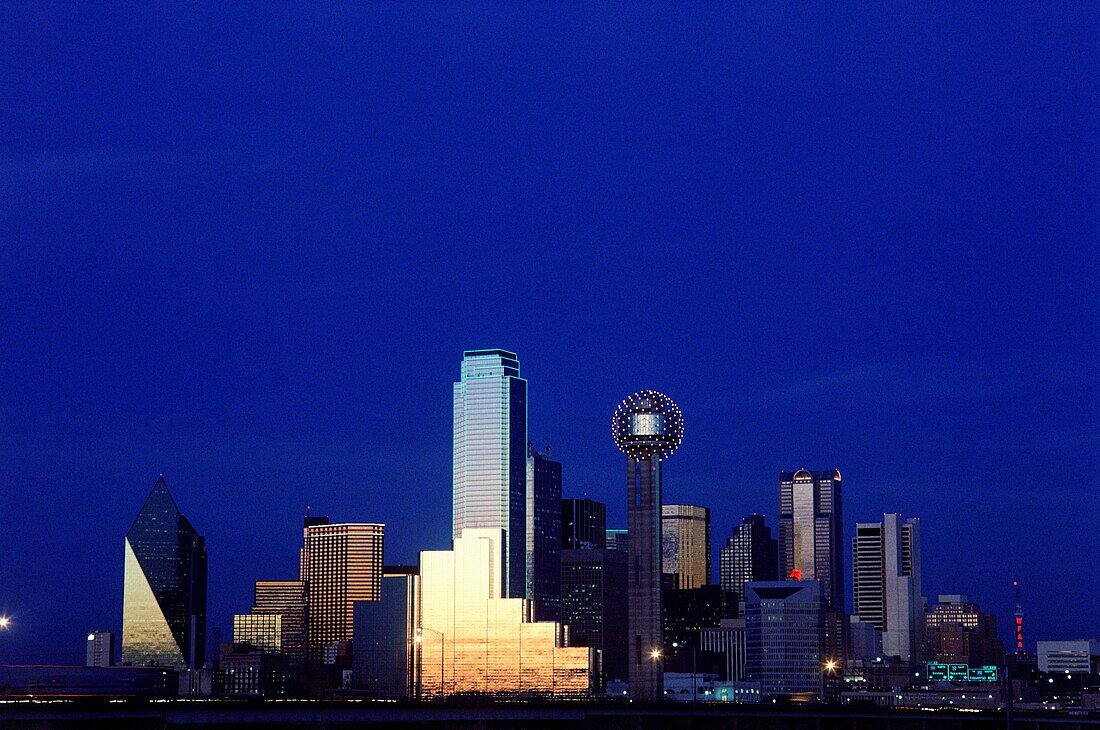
{"points": [[287, 600], [471, 640], [261, 630], [341, 564], [685, 544]]}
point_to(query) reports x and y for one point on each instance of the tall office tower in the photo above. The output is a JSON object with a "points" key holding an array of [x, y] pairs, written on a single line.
{"points": [[727, 638], [472, 640], [648, 428], [956, 631], [164, 606], [544, 534], [810, 531], [342, 565], [489, 468], [617, 539], [784, 628], [593, 598], [886, 583], [100, 649], [688, 610], [685, 544], [583, 524], [750, 555], [287, 600], [386, 641]]}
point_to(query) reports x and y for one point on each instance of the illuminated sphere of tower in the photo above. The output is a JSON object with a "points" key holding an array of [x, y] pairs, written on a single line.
{"points": [[648, 423]]}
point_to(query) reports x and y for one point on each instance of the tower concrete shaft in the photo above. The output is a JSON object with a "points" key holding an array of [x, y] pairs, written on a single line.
{"points": [[646, 636]]}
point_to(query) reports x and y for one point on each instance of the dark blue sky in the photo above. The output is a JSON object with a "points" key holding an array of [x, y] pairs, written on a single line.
{"points": [[245, 245]]}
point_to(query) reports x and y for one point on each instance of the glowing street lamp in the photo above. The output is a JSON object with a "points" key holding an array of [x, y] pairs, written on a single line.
{"points": [[5, 622], [655, 654]]}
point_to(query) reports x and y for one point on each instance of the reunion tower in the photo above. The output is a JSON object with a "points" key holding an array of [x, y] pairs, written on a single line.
{"points": [[648, 428]]}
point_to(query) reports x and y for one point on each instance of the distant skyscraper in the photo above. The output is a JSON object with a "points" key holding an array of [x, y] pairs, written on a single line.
{"points": [[811, 531], [583, 524], [593, 588], [685, 544], [386, 642], [784, 633], [750, 555], [886, 580], [727, 638], [474, 641], [544, 534], [100, 649], [618, 539], [164, 606], [489, 469], [342, 565], [957, 631], [648, 428], [287, 600]]}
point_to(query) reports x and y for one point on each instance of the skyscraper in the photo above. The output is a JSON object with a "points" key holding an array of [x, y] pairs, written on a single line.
{"points": [[956, 631], [886, 583], [164, 606], [287, 600], [811, 531], [472, 640], [750, 555], [342, 564], [593, 594], [385, 645], [489, 468], [544, 533], [583, 524], [685, 544], [648, 428], [784, 633]]}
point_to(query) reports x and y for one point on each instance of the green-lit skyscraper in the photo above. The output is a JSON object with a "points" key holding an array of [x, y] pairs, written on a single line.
{"points": [[164, 602]]}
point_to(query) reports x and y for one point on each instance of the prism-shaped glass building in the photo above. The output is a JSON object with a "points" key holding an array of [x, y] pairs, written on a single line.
{"points": [[164, 602]]}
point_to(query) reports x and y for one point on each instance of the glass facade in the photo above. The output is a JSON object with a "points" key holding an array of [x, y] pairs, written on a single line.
{"points": [[164, 602], [811, 531], [886, 583], [685, 544], [343, 564], [544, 534], [583, 524], [263, 631], [489, 468], [287, 600], [750, 554], [784, 633], [593, 596], [385, 638], [474, 641]]}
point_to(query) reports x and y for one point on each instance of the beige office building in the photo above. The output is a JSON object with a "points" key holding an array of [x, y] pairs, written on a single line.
{"points": [[685, 544], [473, 641]]}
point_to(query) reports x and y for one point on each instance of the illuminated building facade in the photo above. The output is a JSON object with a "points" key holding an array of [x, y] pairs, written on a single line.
{"points": [[472, 640], [648, 427], [593, 592], [886, 582], [750, 555], [342, 564], [164, 602], [489, 467], [287, 600], [811, 532], [261, 630], [784, 633], [583, 524], [685, 544], [957, 632], [544, 534]]}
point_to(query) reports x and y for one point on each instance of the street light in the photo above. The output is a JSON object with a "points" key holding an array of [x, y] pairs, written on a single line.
{"points": [[5, 622], [419, 639]]}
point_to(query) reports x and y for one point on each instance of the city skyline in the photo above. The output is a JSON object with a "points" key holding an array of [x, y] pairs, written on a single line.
{"points": [[254, 269]]}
